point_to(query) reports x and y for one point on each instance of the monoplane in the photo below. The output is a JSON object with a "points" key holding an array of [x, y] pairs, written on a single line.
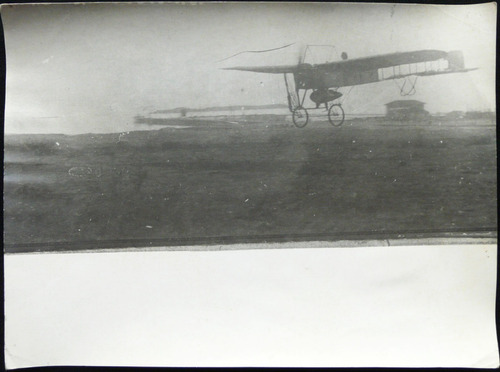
{"points": [[325, 79]]}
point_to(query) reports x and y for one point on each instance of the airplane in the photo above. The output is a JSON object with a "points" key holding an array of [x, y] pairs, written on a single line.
{"points": [[325, 79]]}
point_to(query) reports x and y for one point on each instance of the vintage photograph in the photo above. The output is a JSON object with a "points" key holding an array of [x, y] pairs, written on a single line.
{"points": [[174, 124], [250, 184]]}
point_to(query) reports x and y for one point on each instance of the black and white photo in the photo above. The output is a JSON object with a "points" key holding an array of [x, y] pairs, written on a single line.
{"points": [[170, 142]]}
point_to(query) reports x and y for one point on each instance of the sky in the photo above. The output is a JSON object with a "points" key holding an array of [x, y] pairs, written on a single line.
{"points": [[80, 68]]}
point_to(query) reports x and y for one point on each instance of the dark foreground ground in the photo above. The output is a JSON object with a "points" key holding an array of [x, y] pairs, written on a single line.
{"points": [[219, 182]]}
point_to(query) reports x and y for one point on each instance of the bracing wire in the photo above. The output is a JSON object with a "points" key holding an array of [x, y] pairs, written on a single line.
{"points": [[409, 91], [347, 95]]}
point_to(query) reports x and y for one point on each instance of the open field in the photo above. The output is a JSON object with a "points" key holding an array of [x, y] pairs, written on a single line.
{"points": [[213, 182]]}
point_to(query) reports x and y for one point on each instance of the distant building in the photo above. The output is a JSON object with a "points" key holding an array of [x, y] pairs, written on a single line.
{"points": [[480, 115], [405, 110], [455, 115]]}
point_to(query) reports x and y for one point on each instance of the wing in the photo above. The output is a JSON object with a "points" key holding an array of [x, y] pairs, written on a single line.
{"points": [[266, 69], [392, 66], [454, 58], [370, 69], [383, 61]]}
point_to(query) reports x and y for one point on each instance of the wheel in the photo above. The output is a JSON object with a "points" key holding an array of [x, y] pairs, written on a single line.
{"points": [[300, 117], [336, 115]]}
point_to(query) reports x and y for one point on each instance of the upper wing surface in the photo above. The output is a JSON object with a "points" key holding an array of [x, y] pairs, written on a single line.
{"points": [[384, 60]]}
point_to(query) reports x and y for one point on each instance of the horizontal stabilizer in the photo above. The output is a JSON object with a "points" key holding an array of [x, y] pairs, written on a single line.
{"points": [[449, 71], [266, 69]]}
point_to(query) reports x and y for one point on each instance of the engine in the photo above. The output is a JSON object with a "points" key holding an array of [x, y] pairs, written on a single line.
{"points": [[323, 96]]}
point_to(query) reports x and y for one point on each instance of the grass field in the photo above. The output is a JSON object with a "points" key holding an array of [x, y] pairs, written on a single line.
{"points": [[257, 180]]}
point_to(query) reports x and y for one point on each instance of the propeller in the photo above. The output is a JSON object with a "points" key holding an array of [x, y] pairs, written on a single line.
{"points": [[301, 54]]}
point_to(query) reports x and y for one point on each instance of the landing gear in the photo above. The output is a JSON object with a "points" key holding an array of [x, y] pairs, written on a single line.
{"points": [[336, 115], [300, 117], [320, 96]]}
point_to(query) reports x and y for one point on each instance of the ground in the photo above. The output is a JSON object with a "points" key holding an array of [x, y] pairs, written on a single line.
{"points": [[257, 179]]}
